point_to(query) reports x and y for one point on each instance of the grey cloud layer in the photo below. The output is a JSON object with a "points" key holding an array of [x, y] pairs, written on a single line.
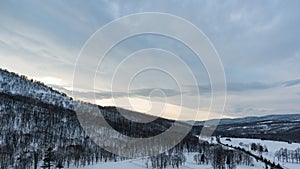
{"points": [[291, 83], [257, 41]]}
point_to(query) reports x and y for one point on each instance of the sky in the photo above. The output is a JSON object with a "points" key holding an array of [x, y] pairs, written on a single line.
{"points": [[257, 42]]}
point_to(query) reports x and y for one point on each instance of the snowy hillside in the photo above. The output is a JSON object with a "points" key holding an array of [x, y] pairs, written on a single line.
{"points": [[35, 118], [20, 85]]}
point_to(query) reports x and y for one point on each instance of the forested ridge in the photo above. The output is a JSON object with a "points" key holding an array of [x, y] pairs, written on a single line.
{"points": [[40, 128]]}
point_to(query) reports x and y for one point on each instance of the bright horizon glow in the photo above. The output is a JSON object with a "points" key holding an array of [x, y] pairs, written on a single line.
{"points": [[50, 80], [170, 111]]}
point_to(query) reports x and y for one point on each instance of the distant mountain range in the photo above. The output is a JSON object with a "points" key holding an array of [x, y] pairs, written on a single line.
{"points": [[271, 127], [250, 119]]}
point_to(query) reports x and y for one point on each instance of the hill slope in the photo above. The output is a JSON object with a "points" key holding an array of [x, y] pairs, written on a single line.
{"points": [[35, 117]]}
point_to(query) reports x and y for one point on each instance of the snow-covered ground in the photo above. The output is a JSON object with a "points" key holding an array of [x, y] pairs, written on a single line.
{"points": [[141, 164], [272, 147]]}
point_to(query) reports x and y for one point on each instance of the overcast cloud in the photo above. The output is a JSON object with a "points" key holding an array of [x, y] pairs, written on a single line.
{"points": [[258, 43]]}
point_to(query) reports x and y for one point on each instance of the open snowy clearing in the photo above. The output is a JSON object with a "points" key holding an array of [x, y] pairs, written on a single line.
{"points": [[140, 164], [272, 147]]}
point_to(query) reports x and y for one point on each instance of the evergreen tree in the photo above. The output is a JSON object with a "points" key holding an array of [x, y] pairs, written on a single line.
{"points": [[253, 147], [49, 158], [202, 159], [59, 165]]}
